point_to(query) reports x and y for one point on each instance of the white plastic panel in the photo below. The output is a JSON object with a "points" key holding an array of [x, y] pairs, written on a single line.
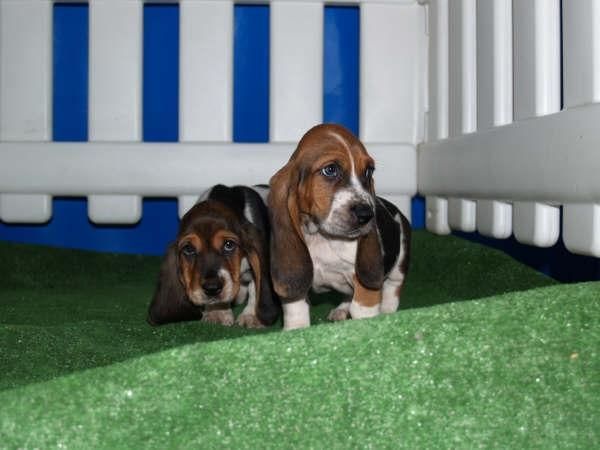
{"points": [[115, 70], [494, 219], [296, 69], [437, 116], [494, 63], [581, 228], [392, 72], [462, 67], [25, 70], [536, 223], [462, 214], [536, 42], [436, 215], [25, 208], [553, 159], [169, 169], [185, 203], [206, 70], [105, 209], [581, 51]]}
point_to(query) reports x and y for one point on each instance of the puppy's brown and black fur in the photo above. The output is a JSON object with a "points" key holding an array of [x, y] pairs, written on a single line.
{"points": [[220, 258]]}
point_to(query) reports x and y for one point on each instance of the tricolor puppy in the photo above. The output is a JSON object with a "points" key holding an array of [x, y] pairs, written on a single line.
{"points": [[220, 258], [330, 232]]}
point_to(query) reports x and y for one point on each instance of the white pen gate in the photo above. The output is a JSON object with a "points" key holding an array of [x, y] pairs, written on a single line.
{"points": [[487, 108]]}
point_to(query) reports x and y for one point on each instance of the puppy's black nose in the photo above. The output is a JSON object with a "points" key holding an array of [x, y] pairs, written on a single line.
{"points": [[362, 212], [212, 286]]}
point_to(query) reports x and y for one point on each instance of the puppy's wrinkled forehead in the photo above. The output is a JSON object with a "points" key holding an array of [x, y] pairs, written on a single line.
{"points": [[208, 218], [333, 142]]}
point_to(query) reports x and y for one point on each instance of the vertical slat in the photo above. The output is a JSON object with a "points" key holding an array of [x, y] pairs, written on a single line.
{"points": [[536, 224], [581, 47], [462, 214], [296, 72], [494, 63], [536, 48], [115, 93], [536, 43], [391, 88], [185, 203], [403, 202], [462, 67], [437, 126], [581, 228], [494, 219], [206, 70], [436, 215], [25, 93]]}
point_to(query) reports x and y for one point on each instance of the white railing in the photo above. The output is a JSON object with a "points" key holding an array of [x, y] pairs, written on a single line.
{"points": [[501, 155], [115, 169]]}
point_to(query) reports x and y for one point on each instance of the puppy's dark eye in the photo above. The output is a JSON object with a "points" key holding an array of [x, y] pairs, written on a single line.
{"points": [[229, 246], [369, 172], [331, 171], [188, 250]]}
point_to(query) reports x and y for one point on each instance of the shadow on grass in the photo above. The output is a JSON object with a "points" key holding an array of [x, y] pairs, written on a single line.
{"points": [[63, 311]]}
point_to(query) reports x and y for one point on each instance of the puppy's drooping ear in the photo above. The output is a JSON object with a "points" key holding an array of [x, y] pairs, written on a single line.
{"points": [[369, 260], [170, 302], [267, 306], [291, 266]]}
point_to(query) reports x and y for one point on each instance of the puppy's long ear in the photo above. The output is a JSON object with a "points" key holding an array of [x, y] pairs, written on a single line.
{"points": [[267, 304], [291, 266], [170, 302], [369, 260]]}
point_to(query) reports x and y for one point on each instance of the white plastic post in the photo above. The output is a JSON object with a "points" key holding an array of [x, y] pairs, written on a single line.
{"points": [[494, 63], [462, 67], [115, 93], [437, 125], [536, 42], [462, 214], [206, 70], [581, 228], [436, 215], [296, 70], [25, 94], [392, 72], [494, 219], [581, 52]]}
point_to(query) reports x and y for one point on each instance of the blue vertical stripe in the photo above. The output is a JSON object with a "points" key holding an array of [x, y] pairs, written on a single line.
{"points": [[251, 74], [161, 73], [341, 53]]}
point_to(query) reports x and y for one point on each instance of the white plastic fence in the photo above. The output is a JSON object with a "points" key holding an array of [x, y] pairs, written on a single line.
{"points": [[479, 80], [115, 169], [502, 155]]}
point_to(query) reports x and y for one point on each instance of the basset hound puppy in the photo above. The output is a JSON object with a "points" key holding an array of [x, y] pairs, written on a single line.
{"points": [[220, 258], [330, 232]]}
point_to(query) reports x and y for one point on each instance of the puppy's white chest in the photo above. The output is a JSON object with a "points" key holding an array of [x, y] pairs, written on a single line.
{"points": [[333, 263]]}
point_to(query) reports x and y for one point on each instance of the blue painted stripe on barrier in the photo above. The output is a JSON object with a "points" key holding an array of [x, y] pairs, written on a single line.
{"points": [[251, 74], [341, 55]]}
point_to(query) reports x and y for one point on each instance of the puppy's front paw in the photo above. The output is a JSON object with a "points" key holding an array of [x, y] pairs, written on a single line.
{"points": [[220, 316], [249, 321], [338, 314]]}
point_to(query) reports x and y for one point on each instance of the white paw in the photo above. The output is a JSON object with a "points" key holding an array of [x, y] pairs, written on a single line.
{"points": [[338, 314], [358, 311], [249, 321]]}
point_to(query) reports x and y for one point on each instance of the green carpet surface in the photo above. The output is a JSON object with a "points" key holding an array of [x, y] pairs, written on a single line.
{"points": [[485, 352]]}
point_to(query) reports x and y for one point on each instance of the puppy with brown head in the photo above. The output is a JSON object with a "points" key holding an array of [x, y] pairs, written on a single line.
{"points": [[330, 231], [220, 258]]}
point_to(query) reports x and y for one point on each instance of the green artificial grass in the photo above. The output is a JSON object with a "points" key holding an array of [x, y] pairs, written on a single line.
{"points": [[484, 352]]}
